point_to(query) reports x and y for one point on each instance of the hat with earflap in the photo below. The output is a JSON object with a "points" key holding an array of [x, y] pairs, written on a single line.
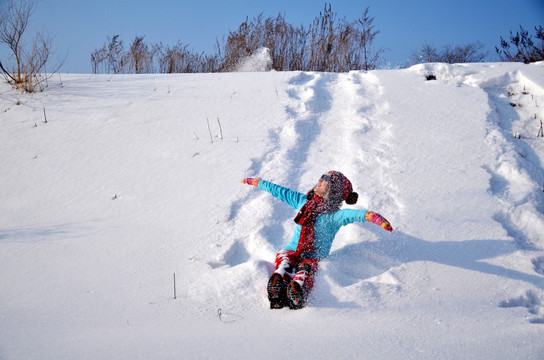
{"points": [[341, 189]]}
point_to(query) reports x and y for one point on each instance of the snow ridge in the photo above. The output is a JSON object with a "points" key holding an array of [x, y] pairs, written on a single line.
{"points": [[517, 175]]}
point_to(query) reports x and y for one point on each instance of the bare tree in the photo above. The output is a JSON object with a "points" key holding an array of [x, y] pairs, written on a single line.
{"points": [[472, 52], [450, 54], [526, 50], [427, 53], [13, 25], [29, 70]]}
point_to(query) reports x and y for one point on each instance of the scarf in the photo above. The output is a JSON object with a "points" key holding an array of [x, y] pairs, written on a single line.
{"points": [[306, 217]]}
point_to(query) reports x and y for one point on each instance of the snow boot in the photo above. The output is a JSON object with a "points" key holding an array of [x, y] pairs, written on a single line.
{"points": [[296, 294], [276, 291]]}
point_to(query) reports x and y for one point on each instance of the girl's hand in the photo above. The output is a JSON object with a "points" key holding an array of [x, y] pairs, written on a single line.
{"points": [[252, 181], [378, 220]]}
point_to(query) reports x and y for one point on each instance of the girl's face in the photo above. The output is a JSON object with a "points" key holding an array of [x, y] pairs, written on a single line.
{"points": [[322, 186]]}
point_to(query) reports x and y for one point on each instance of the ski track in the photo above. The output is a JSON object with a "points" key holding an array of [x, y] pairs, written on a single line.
{"points": [[518, 171], [267, 222], [315, 104], [517, 175], [356, 112]]}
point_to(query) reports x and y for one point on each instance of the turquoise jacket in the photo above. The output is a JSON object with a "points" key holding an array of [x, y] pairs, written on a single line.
{"points": [[326, 225]]}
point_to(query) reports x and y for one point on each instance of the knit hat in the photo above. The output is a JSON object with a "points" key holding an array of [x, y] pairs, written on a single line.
{"points": [[340, 188]]}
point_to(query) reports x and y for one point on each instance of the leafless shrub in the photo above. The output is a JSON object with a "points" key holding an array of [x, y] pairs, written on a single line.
{"points": [[366, 35], [143, 58], [328, 44], [140, 57], [29, 72], [178, 59], [110, 58]]}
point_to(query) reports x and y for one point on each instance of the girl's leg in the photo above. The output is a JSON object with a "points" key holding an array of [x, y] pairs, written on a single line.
{"points": [[286, 262], [302, 284], [285, 265], [306, 270]]}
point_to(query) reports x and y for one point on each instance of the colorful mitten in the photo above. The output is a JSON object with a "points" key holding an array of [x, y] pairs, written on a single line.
{"points": [[251, 181], [378, 220]]}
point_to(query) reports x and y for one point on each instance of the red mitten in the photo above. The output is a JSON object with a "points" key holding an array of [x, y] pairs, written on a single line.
{"points": [[378, 220], [251, 181]]}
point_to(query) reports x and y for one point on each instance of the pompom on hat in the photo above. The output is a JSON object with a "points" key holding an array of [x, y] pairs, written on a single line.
{"points": [[341, 187]]}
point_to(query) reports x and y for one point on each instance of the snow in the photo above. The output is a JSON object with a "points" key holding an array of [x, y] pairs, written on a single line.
{"points": [[123, 187]]}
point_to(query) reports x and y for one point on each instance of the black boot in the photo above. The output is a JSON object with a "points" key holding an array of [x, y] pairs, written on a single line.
{"points": [[296, 295], [276, 291]]}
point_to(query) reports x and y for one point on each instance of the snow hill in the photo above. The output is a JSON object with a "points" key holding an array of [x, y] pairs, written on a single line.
{"points": [[133, 179]]}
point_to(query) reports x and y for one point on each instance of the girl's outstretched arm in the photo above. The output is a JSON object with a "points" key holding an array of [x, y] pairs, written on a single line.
{"points": [[293, 198], [348, 216]]}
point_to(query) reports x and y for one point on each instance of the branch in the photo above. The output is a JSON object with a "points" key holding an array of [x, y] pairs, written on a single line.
{"points": [[6, 72]]}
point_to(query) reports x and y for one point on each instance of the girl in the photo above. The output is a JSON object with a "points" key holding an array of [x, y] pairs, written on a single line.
{"points": [[318, 220]]}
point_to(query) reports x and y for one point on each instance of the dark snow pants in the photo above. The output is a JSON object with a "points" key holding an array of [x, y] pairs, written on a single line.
{"points": [[294, 268]]}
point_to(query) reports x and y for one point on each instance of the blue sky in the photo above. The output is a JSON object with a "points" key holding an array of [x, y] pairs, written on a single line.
{"points": [[79, 27]]}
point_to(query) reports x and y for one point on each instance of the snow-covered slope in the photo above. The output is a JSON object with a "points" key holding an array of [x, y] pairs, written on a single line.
{"points": [[136, 178]]}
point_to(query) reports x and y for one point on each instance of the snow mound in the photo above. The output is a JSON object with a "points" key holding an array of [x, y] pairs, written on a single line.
{"points": [[258, 62], [134, 181]]}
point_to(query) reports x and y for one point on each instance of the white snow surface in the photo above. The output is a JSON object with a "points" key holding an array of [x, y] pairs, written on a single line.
{"points": [[123, 187]]}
